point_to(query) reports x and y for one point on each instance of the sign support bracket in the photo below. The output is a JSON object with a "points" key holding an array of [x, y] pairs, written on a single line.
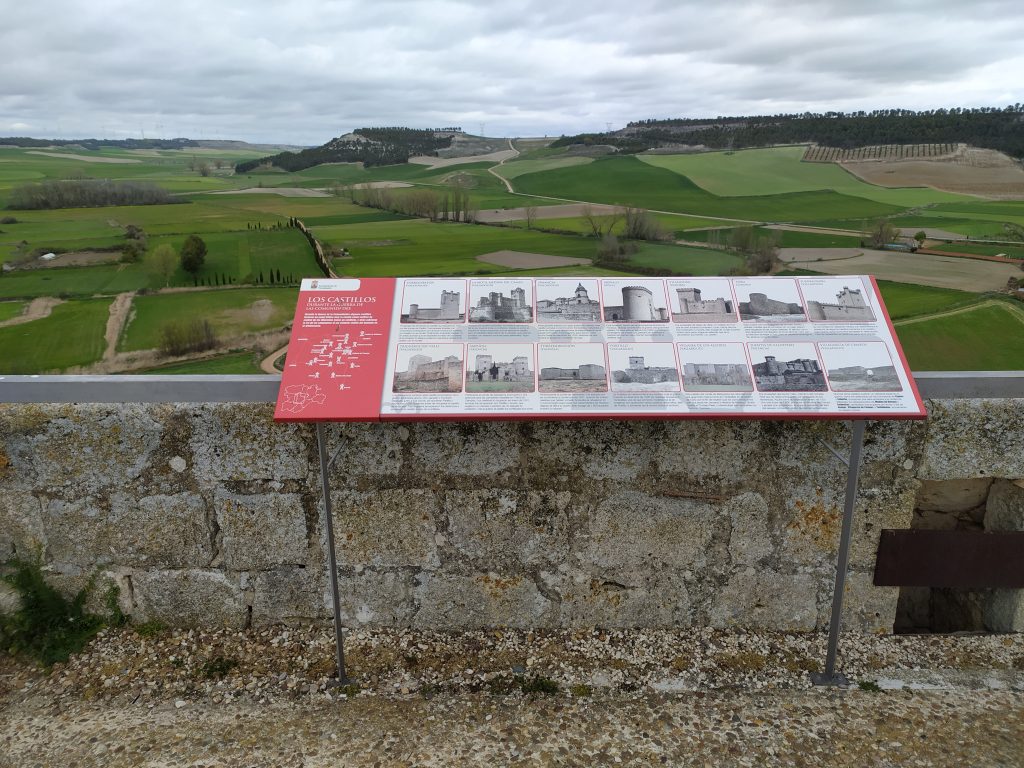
{"points": [[830, 677], [332, 560]]}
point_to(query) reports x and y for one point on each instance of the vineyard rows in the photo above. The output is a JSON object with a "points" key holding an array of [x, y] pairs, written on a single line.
{"points": [[816, 154]]}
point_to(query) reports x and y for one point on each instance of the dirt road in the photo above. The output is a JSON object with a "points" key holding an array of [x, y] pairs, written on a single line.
{"points": [[267, 363], [37, 309], [120, 307], [509, 155], [1012, 309]]}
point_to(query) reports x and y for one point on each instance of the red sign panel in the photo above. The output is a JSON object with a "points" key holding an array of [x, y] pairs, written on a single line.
{"points": [[338, 351]]}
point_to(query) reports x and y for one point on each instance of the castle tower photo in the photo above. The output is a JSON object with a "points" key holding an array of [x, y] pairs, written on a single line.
{"points": [[500, 368], [710, 303], [640, 304], [643, 367], [558, 302], [434, 301], [849, 306]]}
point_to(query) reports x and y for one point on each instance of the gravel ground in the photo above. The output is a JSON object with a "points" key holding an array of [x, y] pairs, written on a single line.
{"points": [[640, 697]]}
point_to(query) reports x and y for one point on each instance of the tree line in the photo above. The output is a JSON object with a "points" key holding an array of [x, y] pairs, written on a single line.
{"points": [[1001, 129], [372, 146], [25, 141], [86, 193]]}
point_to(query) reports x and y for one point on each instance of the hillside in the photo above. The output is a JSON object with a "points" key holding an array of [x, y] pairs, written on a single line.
{"points": [[369, 146], [986, 127]]}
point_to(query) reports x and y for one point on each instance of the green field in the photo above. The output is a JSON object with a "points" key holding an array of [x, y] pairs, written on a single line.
{"points": [[232, 363], [786, 238], [71, 336], [630, 181], [516, 168], [677, 224], [1012, 251], [11, 309], [419, 247], [905, 300], [231, 311], [685, 260], [989, 338], [779, 170]]}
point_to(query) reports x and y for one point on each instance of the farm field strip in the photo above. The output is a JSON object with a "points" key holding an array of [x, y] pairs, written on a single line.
{"points": [[778, 170], [71, 336]]}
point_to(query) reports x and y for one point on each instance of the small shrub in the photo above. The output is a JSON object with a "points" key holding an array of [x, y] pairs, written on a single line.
{"points": [[46, 627], [218, 667], [8, 220], [179, 338], [539, 685], [150, 628], [869, 685], [581, 691]]}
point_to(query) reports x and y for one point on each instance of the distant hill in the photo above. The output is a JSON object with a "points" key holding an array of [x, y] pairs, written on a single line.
{"points": [[370, 146], [995, 128], [25, 141]]}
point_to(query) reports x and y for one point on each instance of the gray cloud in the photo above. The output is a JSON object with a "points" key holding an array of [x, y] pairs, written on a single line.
{"points": [[307, 70]]}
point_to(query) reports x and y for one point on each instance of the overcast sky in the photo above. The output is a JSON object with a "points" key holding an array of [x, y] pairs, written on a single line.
{"points": [[304, 71]]}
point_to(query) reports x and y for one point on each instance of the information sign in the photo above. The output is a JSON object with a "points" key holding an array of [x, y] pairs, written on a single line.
{"points": [[526, 348]]}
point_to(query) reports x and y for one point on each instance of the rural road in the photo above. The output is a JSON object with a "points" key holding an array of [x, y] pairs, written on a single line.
{"points": [[119, 309], [506, 182], [267, 363]]}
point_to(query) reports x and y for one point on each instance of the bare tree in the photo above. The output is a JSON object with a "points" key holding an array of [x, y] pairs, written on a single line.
{"points": [[882, 231], [531, 215], [165, 262]]}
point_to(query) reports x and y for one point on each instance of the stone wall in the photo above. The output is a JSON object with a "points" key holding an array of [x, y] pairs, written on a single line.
{"points": [[209, 514]]}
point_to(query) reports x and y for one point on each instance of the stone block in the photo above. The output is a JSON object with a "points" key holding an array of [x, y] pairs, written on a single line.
{"points": [[21, 525], [866, 608], [749, 540], [365, 451], [766, 600], [473, 449], [386, 529], [713, 455], [508, 530], [376, 599], [155, 531], [630, 533], [952, 495], [242, 442], [654, 600], [1004, 510], [261, 531], [1004, 610], [479, 601], [189, 598], [973, 438], [82, 449], [288, 594]]}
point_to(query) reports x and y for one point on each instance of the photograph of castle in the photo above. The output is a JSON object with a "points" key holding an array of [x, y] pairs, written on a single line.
{"points": [[769, 299], [500, 368], [643, 367], [634, 301], [863, 366], [787, 368], [836, 300], [426, 368], [501, 301], [572, 367], [715, 367], [434, 301], [568, 301], [702, 301]]}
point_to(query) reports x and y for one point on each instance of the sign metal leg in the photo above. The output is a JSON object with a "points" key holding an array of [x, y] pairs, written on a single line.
{"points": [[829, 676], [332, 560]]}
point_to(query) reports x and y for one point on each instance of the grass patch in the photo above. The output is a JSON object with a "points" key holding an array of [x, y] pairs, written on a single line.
{"points": [[11, 309], [684, 260], [151, 628], [989, 338], [233, 363], [232, 312], [869, 685], [71, 336]]}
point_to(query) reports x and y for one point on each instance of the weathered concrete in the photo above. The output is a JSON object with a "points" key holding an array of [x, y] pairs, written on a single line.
{"points": [[211, 514]]}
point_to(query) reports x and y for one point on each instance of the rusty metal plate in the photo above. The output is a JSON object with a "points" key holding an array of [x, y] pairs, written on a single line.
{"points": [[911, 558]]}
